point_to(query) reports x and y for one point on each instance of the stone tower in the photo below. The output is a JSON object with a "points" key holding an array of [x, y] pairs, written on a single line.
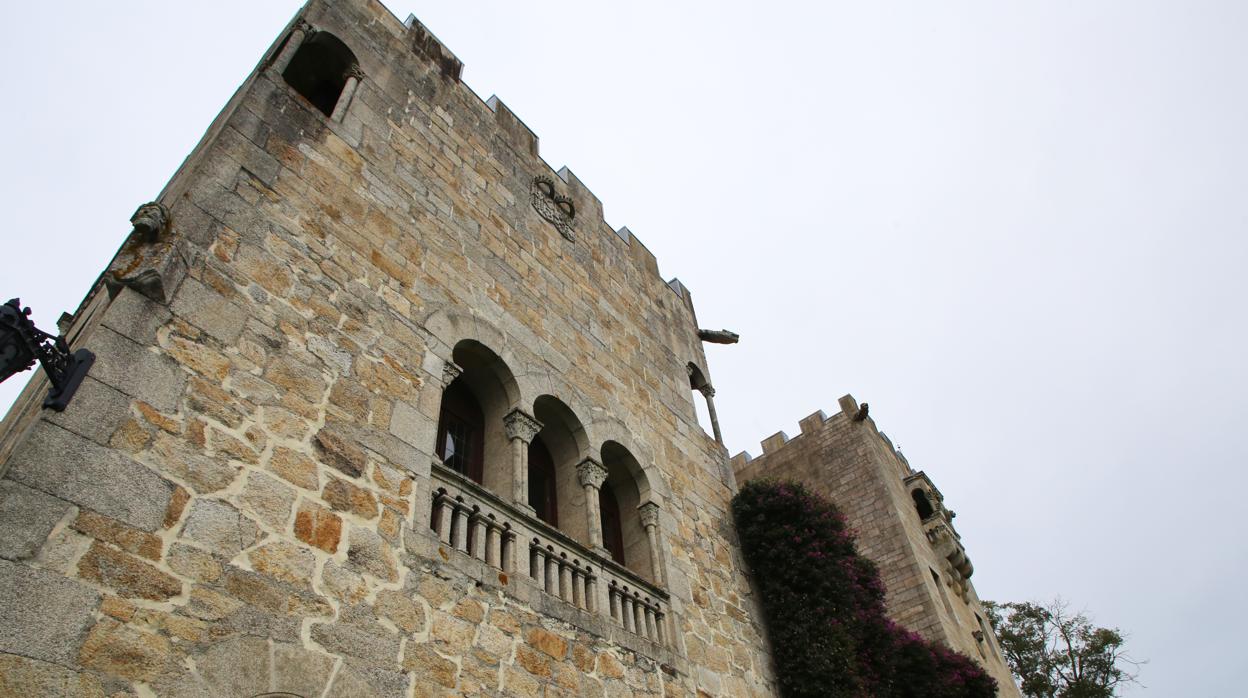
{"points": [[902, 523], [380, 406]]}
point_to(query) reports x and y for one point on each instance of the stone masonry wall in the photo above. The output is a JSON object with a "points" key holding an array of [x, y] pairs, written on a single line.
{"points": [[854, 465], [237, 499]]}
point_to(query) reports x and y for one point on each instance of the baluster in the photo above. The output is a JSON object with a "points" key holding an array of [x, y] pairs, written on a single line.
{"points": [[509, 549], [537, 562], [552, 571], [476, 541], [626, 605], [613, 599], [461, 525], [578, 585], [639, 621], [493, 546], [659, 632], [649, 621], [591, 590], [445, 510], [565, 578]]}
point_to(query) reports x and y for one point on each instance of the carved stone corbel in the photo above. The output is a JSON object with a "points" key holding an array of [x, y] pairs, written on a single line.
{"points": [[150, 260]]}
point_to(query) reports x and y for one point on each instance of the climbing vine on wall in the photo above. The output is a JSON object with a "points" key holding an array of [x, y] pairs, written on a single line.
{"points": [[824, 607]]}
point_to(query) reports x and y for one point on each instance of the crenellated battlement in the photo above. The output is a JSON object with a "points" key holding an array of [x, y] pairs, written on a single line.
{"points": [[512, 130]]}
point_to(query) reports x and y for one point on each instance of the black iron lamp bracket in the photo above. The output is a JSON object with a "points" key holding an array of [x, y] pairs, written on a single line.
{"points": [[21, 344]]}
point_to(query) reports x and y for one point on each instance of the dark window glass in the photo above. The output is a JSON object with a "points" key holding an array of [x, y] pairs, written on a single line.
{"points": [[542, 483], [461, 434], [612, 530]]}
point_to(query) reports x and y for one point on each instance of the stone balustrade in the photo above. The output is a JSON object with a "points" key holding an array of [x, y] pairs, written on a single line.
{"points": [[470, 519]]}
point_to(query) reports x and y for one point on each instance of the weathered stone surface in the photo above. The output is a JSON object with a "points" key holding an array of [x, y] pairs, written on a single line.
{"points": [[268, 499], [96, 411], [180, 459], [295, 468], [42, 615], [193, 563], [336, 450], [300, 671], [371, 642], [220, 527], [177, 505], [298, 379], [285, 561], [128, 576], [270, 595], [400, 609], [547, 642], [131, 369], [344, 496], [408, 424], [120, 650], [423, 660], [369, 554], [20, 676], [26, 518], [318, 526], [343, 584], [135, 316], [209, 311], [238, 666], [75, 469], [129, 539], [348, 683]]}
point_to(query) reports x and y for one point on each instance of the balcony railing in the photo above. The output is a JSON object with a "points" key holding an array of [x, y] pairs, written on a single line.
{"points": [[477, 523]]}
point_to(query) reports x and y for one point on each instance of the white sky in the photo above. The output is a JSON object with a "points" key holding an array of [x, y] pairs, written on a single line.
{"points": [[1016, 229]]}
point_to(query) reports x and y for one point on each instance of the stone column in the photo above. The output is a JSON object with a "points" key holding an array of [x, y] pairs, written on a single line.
{"points": [[709, 393], [297, 35], [521, 429], [348, 91], [592, 474], [649, 513]]}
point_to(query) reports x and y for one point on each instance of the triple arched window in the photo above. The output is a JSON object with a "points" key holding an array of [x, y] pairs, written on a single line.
{"points": [[554, 473]]}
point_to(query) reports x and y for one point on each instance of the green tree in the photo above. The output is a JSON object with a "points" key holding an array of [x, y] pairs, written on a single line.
{"points": [[1058, 654]]}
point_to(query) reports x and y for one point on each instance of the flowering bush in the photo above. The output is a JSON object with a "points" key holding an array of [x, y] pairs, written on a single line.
{"points": [[824, 607]]}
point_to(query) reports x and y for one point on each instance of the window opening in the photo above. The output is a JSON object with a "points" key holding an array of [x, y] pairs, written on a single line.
{"points": [[461, 433], [612, 526], [319, 70], [542, 490], [922, 505]]}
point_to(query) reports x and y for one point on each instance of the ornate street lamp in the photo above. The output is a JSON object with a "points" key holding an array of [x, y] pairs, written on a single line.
{"points": [[21, 343]]}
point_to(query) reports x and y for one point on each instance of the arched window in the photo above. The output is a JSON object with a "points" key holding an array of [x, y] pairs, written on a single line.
{"points": [[471, 438], [563, 442], [461, 431], [921, 504], [542, 492], [628, 488], [319, 70], [612, 527]]}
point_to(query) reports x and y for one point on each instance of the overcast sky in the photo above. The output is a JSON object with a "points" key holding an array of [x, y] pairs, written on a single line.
{"points": [[1016, 229]]}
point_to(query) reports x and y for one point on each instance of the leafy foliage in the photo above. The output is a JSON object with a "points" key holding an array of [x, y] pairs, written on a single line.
{"points": [[1056, 654], [824, 606]]}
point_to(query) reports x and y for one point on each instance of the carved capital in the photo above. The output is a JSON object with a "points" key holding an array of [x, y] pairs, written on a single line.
{"points": [[707, 390], [521, 426], [450, 371], [591, 472], [649, 513]]}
